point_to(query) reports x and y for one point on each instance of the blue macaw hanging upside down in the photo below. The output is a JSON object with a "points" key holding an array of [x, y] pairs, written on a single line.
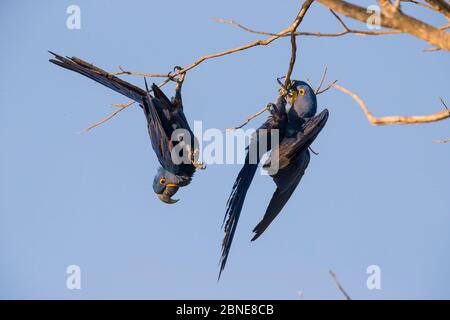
{"points": [[298, 128], [163, 116]]}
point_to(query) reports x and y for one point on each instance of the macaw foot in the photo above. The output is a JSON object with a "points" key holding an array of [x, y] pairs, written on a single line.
{"points": [[180, 78], [197, 164]]}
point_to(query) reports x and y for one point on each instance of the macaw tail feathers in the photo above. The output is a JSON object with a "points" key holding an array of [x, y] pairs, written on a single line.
{"points": [[234, 208], [101, 76]]}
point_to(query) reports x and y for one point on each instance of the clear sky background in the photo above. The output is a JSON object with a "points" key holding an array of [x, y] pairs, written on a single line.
{"points": [[374, 195]]}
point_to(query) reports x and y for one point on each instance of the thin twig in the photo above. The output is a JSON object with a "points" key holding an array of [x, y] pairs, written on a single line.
{"points": [[432, 49], [443, 102], [327, 88], [120, 105], [308, 81], [442, 141], [321, 80], [338, 284], [420, 4], [292, 30], [112, 115], [250, 118], [388, 120], [121, 108]]}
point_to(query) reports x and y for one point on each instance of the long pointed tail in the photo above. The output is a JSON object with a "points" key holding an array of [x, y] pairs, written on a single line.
{"points": [[234, 208], [101, 76]]}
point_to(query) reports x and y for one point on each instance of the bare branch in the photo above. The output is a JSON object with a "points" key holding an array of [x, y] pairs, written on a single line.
{"points": [[338, 284], [432, 49], [250, 118], [346, 30], [395, 19], [442, 141], [120, 105], [327, 88], [443, 103], [441, 6], [292, 30], [419, 4], [321, 80], [112, 115], [388, 120], [389, 13], [240, 26], [318, 91], [256, 43], [171, 76]]}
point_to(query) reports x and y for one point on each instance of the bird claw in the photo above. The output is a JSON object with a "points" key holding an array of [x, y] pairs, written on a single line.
{"points": [[180, 79], [197, 164], [272, 109]]}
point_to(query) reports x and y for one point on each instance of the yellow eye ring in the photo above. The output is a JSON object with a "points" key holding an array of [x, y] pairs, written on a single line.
{"points": [[302, 91], [162, 181]]}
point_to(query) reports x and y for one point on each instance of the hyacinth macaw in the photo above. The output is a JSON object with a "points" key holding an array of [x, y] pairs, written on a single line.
{"points": [[298, 128], [163, 117]]}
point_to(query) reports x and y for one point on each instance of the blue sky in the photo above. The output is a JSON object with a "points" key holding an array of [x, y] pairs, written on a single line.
{"points": [[374, 195]]}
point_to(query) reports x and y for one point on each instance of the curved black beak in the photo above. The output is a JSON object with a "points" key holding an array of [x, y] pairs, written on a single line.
{"points": [[167, 194]]}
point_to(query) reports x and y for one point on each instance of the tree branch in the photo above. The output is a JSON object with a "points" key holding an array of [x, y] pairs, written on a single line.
{"points": [[441, 6], [391, 17], [251, 117], [346, 29], [389, 120], [338, 284], [442, 141], [256, 43], [292, 30], [112, 115]]}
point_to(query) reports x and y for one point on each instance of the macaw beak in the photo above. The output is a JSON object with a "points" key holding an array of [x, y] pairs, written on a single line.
{"points": [[292, 97], [167, 194]]}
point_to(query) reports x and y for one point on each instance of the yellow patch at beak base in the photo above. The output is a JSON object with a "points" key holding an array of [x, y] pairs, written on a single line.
{"points": [[171, 185], [293, 97]]}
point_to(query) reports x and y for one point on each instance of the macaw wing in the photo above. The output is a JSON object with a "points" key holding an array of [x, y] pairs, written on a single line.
{"points": [[174, 114], [158, 129], [293, 146], [286, 180], [287, 165], [303, 139]]}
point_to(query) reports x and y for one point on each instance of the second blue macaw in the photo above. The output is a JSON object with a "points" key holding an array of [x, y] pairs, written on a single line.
{"points": [[298, 128]]}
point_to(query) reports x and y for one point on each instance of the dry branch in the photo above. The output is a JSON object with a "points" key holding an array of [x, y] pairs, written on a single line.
{"points": [[251, 117], [256, 43], [292, 30], [441, 6], [377, 121], [389, 13], [442, 141], [339, 286], [392, 17], [112, 115]]}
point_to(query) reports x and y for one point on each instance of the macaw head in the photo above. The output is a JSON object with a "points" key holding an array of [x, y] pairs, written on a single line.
{"points": [[302, 99], [165, 185]]}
